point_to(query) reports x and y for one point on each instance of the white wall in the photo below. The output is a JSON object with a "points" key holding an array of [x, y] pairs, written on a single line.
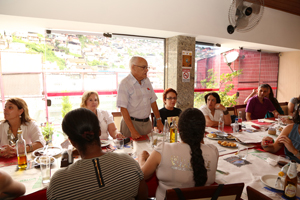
{"points": [[204, 19]]}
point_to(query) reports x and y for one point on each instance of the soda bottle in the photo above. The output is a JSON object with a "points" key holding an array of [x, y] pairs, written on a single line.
{"points": [[173, 131], [240, 120], [21, 151], [290, 183], [221, 124]]}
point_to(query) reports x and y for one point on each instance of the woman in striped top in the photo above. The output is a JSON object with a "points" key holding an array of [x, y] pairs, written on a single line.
{"points": [[98, 175]]}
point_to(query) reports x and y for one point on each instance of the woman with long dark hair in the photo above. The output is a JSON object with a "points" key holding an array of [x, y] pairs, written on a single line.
{"points": [[270, 96], [289, 138], [186, 164], [275, 103], [16, 117], [98, 175]]}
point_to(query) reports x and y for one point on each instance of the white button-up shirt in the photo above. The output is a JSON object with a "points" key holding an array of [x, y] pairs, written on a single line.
{"points": [[136, 98]]}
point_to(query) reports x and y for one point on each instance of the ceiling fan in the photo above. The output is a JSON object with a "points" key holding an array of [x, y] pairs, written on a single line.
{"points": [[244, 15]]}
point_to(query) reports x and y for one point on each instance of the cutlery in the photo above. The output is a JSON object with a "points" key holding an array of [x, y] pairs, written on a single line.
{"points": [[222, 172]]}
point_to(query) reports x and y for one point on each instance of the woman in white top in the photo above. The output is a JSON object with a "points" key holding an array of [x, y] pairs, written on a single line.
{"points": [[185, 164], [214, 109], [90, 100], [17, 116]]}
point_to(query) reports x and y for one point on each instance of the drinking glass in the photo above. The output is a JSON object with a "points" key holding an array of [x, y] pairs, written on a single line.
{"points": [[243, 153], [119, 143], [45, 165], [154, 138]]}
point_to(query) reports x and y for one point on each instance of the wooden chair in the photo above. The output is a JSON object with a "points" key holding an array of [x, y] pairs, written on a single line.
{"points": [[255, 195], [231, 111], [229, 191], [241, 108], [117, 119], [284, 106]]}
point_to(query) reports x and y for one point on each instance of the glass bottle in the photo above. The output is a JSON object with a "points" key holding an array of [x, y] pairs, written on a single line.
{"points": [[290, 183], [240, 120], [236, 126], [221, 124], [173, 131], [21, 151], [166, 131]]}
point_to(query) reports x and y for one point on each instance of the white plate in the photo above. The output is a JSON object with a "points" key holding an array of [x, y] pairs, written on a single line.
{"points": [[37, 160], [215, 138], [270, 180], [104, 143], [52, 151]]}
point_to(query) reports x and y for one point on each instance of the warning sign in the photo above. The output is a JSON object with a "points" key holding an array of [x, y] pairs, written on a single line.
{"points": [[186, 73]]}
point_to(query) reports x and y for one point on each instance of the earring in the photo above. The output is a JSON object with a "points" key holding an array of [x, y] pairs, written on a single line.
{"points": [[20, 116]]}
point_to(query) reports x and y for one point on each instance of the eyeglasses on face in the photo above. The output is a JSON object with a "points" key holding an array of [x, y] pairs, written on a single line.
{"points": [[172, 98], [143, 67]]}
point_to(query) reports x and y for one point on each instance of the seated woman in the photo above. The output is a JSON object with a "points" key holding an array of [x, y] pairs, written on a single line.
{"points": [[10, 189], [289, 138], [170, 99], [98, 175], [292, 106], [90, 100], [270, 96], [214, 109], [185, 164], [16, 116]]}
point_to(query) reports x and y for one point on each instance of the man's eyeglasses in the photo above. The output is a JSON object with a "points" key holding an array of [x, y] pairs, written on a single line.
{"points": [[143, 67], [172, 98]]}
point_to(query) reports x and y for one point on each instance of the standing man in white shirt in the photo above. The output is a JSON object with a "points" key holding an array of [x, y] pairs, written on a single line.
{"points": [[135, 99]]}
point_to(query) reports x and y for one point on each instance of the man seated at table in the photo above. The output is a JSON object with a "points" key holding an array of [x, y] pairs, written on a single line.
{"points": [[10, 189], [259, 105]]}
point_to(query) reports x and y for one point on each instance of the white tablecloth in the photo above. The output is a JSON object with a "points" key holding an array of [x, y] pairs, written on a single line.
{"points": [[250, 173]]}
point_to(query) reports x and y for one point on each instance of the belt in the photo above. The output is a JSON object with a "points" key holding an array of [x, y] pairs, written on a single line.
{"points": [[140, 120]]}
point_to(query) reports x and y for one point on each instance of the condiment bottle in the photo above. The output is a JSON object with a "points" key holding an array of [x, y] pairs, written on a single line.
{"points": [[21, 151], [173, 131], [290, 184]]}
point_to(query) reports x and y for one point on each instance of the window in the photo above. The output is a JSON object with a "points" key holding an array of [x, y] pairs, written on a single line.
{"points": [[66, 64], [257, 68]]}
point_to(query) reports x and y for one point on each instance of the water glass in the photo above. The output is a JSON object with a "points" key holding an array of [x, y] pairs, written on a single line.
{"points": [[154, 138], [243, 153], [119, 143], [45, 165]]}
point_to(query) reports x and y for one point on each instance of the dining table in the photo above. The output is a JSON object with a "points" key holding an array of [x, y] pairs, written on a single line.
{"points": [[256, 170]]}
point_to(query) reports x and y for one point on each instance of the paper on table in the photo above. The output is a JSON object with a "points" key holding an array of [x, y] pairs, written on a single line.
{"points": [[268, 120], [254, 137], [210, 129]]}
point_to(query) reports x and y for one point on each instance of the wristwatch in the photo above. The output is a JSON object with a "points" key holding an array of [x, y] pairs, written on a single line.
{"points": [[158, 118], [297, 154]]}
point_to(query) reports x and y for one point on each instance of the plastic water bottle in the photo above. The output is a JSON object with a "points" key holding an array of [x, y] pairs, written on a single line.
{"points": [[236, 126], [221, 124]]}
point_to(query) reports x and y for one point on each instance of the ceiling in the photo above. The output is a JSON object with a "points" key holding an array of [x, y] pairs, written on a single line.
{"points": [[205, 20]]}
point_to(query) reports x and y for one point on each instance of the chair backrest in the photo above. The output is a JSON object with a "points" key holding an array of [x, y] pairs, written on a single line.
{"points": [[231, 111], [117, 119], [241, 108], [255, 195], [284, 107], [229, 191]]}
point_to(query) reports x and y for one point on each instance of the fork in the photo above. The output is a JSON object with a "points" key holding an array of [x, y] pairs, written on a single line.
{"points": [[222, 172]]}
